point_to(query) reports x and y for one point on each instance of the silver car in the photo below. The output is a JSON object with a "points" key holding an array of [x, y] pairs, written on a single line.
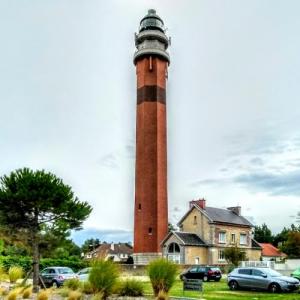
{"points": [[261, 278]]}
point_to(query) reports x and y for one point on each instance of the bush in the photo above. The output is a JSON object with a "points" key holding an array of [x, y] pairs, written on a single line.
{"points": [[74, 295], [43, 295], [26, 263], [86, 287], [103, 277], [72, 284], [13, 294], [131, 288], [27, 293], [162, 275], [15, 273]]}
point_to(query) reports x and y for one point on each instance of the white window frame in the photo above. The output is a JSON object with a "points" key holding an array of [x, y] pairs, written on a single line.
{"points": [[244, 240], [233, 238], [221, 255], [222, 237]]}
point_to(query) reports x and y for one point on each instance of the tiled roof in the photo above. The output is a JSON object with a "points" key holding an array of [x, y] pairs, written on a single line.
{"points": [[220, 215], [118, 248], [190, 239], [270, 250]]}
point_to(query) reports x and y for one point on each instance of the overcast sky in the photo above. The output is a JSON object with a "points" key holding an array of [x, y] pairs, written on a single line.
{"points": [[68, 101]]}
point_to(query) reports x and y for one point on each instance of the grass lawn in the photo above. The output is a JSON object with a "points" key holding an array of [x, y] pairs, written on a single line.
{"points": [[220, 290]]}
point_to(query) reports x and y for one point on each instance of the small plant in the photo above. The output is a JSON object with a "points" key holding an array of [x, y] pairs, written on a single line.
{"points": [[103, 277], [64, 292], [98, 296], [12, 295], [87, 288], [131, 288], [75, 295], [27, 292], [15, 273], [162, 295], [72, 284], [43, 295], [162, 275]]}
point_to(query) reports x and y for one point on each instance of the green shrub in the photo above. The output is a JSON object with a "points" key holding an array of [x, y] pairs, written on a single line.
{"points": [[72, 284], [103, 277], [162, 275], [26, 262], [13, 294], [15, 273], [63, 292], [86, 287], [43, 295], [131, 288], [98, 296], [74, 295], [27, 293]]}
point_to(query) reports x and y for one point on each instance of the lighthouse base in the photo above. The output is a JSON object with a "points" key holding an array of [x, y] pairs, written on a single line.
{"points": [[145, 258]]}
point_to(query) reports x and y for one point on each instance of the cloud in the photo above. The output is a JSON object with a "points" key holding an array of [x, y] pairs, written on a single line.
{"points": [[109, 161], [286, 184], [107, 235], [257, 161]]}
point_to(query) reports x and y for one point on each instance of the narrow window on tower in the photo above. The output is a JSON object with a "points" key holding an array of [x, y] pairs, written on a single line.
{"points": [[150, 231], [140, 206]]}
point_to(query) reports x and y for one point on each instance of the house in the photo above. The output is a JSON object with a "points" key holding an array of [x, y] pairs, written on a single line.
{"points": [[119, 252], [270, 252], [206, 231]]}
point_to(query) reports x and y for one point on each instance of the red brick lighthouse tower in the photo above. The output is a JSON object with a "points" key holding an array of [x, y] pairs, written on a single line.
{"points": [[151, 203]]}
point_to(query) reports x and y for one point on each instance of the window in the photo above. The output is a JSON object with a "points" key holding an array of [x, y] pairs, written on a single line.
{"points": [[140, 206], [174, 253], [221, 255], [243, 239], [195, 220], [150, 231], [233, 238], [222, 237], [257, 273], [244, 271]]}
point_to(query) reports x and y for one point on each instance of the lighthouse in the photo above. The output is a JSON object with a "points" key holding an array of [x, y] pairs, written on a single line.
{"points": [[151, 60]]}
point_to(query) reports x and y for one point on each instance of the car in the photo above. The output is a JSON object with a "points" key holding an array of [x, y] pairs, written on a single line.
{"points": [[206, 273], [261, 279], [55, 276], [296, 274], [83, 274]]}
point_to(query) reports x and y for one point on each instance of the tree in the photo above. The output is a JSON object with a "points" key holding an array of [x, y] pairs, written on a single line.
{"points": [[234, 255], [30, 199], [171, 227], [292, 245], [89, 245], [263, 234]]}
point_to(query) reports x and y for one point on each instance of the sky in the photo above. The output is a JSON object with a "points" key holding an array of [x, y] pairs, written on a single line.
{"points": [[68, 104]]}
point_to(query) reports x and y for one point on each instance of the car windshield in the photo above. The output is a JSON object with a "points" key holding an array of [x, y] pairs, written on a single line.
{"points": [[215, 269], [272, 273], [65, 271]]}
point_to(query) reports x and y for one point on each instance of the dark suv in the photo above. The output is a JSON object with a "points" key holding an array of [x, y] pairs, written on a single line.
{"points": [[200, 272], [55, 276]]}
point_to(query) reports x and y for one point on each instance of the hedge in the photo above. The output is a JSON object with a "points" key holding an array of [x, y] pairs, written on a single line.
{"points": [[26, 262]]}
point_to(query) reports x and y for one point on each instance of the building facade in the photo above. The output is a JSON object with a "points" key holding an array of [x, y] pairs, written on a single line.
{"points": [[151, 205], [205, 232]]}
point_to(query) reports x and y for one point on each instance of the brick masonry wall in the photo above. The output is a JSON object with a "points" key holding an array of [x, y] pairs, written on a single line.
{"points": [[151, 206]]}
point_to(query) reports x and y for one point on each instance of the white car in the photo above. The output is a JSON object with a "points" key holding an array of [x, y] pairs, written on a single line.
{"points": [[83, 275]]}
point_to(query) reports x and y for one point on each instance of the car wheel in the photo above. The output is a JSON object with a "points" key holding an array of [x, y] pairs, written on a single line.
{"points": [[274, 288], [55, 284], [233, 285], [205, 278]]}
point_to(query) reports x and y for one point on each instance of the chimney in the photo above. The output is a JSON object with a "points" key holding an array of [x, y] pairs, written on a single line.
{"points": [[235, 209], [200, 202]]}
